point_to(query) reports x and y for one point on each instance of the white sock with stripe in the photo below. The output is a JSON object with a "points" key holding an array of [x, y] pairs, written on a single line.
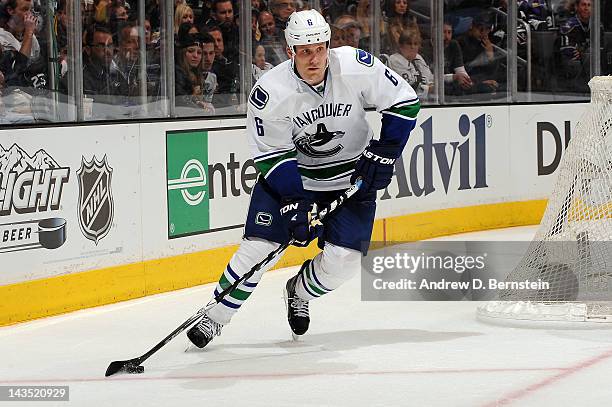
{"points": [[327, 271], [250, 252]]}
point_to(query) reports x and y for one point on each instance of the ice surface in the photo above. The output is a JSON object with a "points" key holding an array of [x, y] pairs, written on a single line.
{"points": [[355, 354]]}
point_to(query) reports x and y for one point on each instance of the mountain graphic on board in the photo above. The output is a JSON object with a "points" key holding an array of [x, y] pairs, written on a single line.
{"points": [[16, 159]]}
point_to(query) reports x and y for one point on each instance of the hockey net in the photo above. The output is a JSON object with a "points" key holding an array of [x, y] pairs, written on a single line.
{"points": [[572, 247]]}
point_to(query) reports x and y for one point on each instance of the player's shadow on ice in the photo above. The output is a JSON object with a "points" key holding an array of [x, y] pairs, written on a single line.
{"points": [[355, 339], [227, 364]]}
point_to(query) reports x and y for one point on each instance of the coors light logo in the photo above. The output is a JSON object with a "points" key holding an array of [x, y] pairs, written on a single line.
{"points": [[30, 184]]}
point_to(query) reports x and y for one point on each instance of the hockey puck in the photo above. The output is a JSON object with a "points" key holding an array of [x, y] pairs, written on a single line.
{"points": [[134, 369]]}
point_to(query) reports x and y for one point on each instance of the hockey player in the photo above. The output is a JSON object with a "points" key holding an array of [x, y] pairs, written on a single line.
{"points": [[308, 133]]}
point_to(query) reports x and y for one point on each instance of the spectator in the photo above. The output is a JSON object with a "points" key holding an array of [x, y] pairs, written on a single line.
{"points": [[15, 104], [20, 23], [187, 28], [222, 11], [102, 12], [260, 66], [479, 56], [205, 13], [398, 12], [281, 10], [148, 33], [255, 33], [362, 15], [334, 10], [271, 40], [12, 64], [20, 72], [61, 32], [226, 71], [208, 52], [60, 29], [118, 17], [536, 13], [223, 17], [575, 48], [124, 71], [209, 79], [98, 52], [182, 14], [266, 25], [351, 28], [154, 68], [456, 79], [258, 5], [153, 13], [119, 13], [577, 27], [28, 75], [302, 5], [563, 11], [189, 73], [337, 37], [410, 65], [390, 43]]}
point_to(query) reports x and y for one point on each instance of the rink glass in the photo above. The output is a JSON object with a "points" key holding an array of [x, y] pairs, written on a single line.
{"points": [[523, 56]]}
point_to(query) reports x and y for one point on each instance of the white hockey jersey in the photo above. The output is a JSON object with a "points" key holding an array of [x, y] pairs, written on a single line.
{"points": [[326, 133]]}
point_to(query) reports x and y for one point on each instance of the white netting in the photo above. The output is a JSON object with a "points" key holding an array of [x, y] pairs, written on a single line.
{"points": [[571, 249]]}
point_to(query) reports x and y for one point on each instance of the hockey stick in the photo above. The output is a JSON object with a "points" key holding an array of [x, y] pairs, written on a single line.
{"points": [[134, 365]]}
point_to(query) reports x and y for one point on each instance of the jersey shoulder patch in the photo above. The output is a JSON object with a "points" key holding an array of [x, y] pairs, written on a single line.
{"points": [[364, 58], [259, 97]]}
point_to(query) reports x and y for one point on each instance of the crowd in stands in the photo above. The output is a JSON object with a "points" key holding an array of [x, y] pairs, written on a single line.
{"points": [[207, 60]]}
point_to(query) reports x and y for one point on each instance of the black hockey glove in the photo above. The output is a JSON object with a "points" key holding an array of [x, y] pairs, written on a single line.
{"points": [[296, 216], [375, 167]]}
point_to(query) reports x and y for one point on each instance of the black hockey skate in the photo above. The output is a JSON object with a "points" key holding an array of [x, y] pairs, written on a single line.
{"points": [[204, 331], [297, 308]]}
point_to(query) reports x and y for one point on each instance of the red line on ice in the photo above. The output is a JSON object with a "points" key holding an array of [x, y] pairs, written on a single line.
{"points": [[532, 388], [143, 377]]}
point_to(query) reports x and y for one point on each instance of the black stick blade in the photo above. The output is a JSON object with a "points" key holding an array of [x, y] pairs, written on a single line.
{"points": [[127, 366]]}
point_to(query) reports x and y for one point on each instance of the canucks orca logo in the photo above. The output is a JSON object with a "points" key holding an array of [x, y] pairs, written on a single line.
{"points": [[365, 58], [306, 143], [259, 97]]}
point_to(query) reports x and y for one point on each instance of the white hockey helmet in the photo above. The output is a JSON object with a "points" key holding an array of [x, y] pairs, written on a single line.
{"points": [[306, 27]]}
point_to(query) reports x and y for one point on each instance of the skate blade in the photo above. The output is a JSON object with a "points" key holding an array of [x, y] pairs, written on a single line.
{"points": [[189, 346], [285, 296]]}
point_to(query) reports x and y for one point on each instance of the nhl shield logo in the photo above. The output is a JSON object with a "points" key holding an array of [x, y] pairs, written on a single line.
{"points": [[95, 198]]}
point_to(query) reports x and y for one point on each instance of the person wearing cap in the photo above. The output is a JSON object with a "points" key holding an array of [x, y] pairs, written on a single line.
{"points": [[190, 76], [310, 140], [479, 57]]}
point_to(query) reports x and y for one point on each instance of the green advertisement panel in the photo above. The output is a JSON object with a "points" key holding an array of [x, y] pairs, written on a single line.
{"points": [[186, 175]]}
